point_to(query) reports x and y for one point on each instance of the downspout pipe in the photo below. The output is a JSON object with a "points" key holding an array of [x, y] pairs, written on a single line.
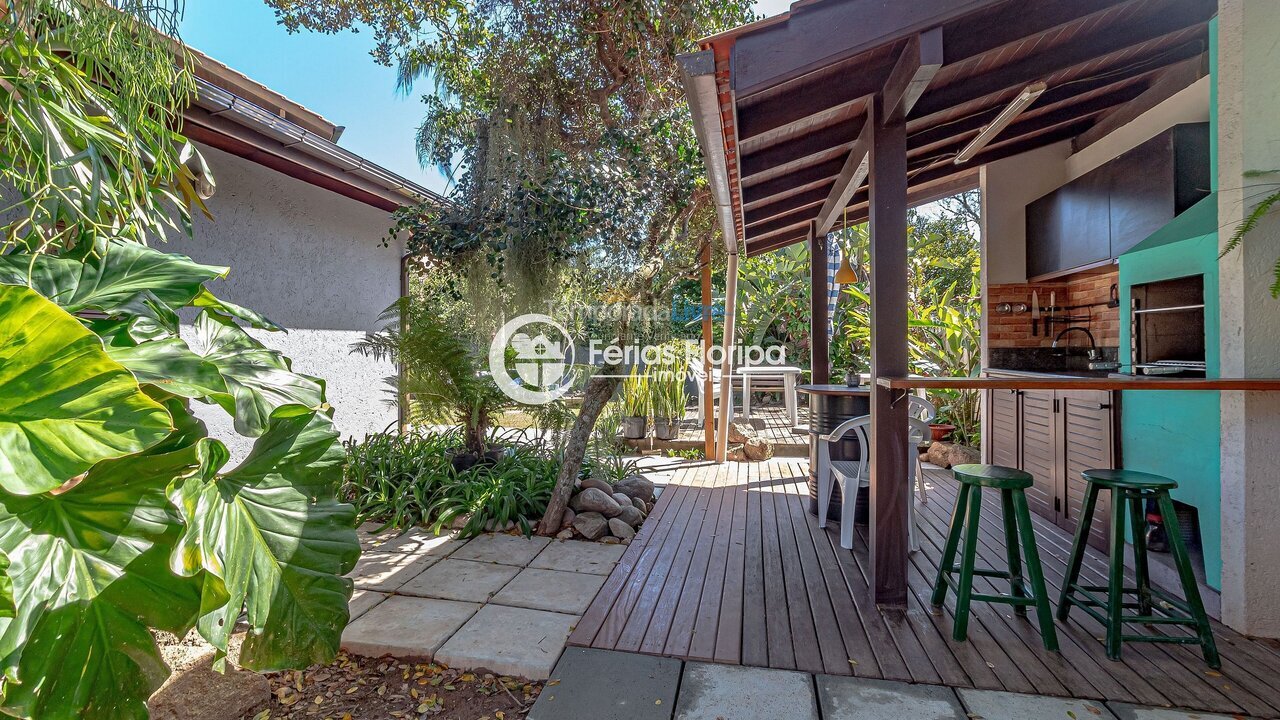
{"points": [[697, 72]]}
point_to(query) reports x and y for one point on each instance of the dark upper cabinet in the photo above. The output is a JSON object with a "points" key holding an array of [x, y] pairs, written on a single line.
{"points": [[1105, 212], [1157, 181], [1071, 226]]}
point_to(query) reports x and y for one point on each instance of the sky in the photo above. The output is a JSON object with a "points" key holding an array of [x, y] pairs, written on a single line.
{"points": [[333, 75]]}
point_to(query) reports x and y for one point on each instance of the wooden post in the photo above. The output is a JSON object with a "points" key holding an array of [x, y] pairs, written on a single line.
{"points": [[890, 492], [725, 412], [819, 344], [708, 407]]}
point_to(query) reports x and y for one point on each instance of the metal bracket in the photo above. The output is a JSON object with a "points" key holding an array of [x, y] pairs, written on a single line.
{"points": [[896, 395]]}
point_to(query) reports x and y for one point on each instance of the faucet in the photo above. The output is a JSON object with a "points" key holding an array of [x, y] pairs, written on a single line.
{"points": [[1093, 345]]}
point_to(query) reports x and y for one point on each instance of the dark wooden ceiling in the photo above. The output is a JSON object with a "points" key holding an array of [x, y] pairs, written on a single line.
{"points": [[800, 112]]}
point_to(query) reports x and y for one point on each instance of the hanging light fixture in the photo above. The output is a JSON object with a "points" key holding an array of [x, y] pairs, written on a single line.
{"points": [[845, 274]]}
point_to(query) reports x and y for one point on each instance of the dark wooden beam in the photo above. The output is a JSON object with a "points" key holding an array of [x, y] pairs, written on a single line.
{"points": [[919, 62], [819, 34], [1162, 19], [806, 199], [1173, 80], [819, 345], [783, 222], [890, 463], [764, 245], [839, 135], [1064, 102], [964, 38], [755, 192], [856, 167]]}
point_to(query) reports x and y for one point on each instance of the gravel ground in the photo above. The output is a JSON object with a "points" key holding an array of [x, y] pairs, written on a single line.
{"points": [[354, 687]]}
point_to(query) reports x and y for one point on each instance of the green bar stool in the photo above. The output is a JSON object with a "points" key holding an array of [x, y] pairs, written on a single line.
{"points": [[965, 519], [1131, 489]]}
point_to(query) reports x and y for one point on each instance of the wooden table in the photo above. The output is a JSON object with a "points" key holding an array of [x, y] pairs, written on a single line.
{"points": [[830, 405], [789, 374]]}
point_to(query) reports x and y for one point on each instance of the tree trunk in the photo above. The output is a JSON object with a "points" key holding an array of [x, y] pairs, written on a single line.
{"points": [[599, 391]]}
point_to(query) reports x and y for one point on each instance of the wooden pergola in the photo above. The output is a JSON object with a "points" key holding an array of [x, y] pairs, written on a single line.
{"points": [[847, 111]]}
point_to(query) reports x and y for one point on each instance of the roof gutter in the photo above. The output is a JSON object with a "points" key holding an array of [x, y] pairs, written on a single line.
{"points": [[698, 72], [221, 103]]}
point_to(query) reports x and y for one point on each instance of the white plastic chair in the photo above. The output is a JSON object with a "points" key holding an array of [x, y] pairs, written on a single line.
{"points": [[699, 377], [855, 474], [924, 411]]}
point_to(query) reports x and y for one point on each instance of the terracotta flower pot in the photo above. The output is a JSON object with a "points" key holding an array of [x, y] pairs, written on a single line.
{"points": [[940, 431]]}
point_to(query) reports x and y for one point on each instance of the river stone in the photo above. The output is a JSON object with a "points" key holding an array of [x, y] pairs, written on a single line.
{"points": [[620, 529], [592, 525], [610, 540], [623, 499], [757, 449], [631, 516], [598, 484], [740, 432], [962, 455], [567, 519], [565, 534], [635, 486], [638, 503], [594, 500]]}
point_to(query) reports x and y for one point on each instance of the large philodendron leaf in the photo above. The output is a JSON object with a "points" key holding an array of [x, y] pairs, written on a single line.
{"points": [[126, 277], [170, 365], [90, 576], [275, 543], [64, 404], [258, 379]]}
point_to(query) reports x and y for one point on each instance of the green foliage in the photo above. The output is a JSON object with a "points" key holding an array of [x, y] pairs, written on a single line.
{"points": [[666, 380], [1250, 223], [440, 376], [403, 480], [636, 398], [116, 515], [80, 160], [773, 302], [64, 404]]}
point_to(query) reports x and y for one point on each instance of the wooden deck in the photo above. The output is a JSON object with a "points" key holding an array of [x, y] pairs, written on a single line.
{"points": [[770, 421], [730, 568]]}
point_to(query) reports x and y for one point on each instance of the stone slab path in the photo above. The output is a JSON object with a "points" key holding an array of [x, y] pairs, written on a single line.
{"points": [[496, 602], [595, 684]]}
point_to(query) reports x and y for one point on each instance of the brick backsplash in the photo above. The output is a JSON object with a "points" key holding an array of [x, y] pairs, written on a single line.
{"points": [[1014, 330]]}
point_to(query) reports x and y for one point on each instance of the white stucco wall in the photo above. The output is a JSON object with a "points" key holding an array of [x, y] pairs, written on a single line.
{"points": [[1249, 340], [313, 261], [1007, 186]]}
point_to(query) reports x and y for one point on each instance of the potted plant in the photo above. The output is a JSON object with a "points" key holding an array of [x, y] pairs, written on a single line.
{"points": [[635, 405], [667, 390], [940, 431]]}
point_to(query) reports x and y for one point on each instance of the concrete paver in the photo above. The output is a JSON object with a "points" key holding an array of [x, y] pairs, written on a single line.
{"points": [[509, 641], [994, 705], [362, 601], [454, 579], [743, 693], [413, 540], [579, 556], [406, 627], [566, 592], [850, 698], [595, 684], [386, 572], [504, 549]]}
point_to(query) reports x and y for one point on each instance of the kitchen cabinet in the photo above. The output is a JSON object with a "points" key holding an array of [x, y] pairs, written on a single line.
{"points": [[1104, 213], [1070, 227], [1055, 435]]}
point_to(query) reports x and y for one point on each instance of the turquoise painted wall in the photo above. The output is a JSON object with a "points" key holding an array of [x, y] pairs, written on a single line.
{"points": [[1175, 433]]}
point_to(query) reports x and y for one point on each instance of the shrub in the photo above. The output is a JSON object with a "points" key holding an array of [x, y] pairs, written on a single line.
{"points": [[403, 480]]}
